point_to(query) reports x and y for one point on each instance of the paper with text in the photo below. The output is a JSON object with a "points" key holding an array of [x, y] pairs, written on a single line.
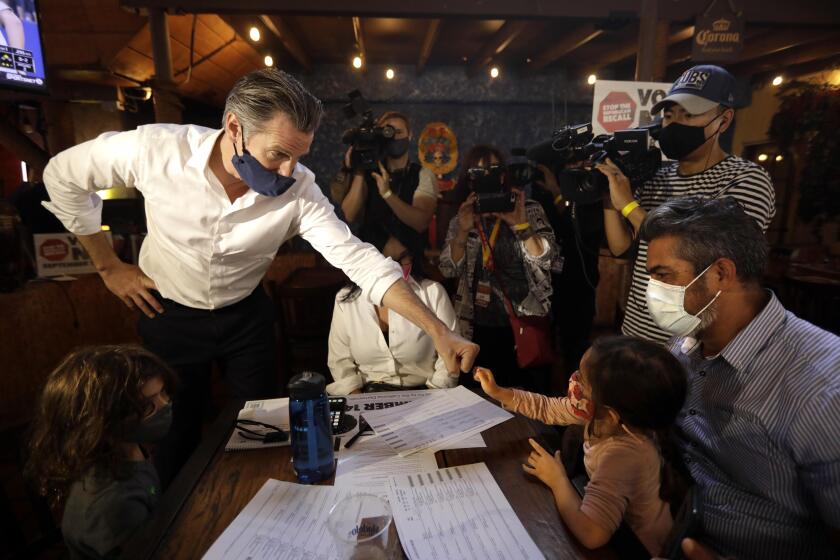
{"points": [[435, 422], [368, 465], [367, 402], [457, 513], [284, 520]]}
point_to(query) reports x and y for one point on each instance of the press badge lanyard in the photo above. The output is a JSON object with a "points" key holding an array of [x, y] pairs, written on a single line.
{"points": [[489, 264], [487, 247]]}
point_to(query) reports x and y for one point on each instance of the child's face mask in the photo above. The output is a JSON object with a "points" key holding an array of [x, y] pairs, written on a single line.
{"points": [[581, 406], [153, 428]]}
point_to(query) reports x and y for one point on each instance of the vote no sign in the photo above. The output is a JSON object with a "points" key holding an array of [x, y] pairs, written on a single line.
{"points": [[619, 105], [57, 254]]}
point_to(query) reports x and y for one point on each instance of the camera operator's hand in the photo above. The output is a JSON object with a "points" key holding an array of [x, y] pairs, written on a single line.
{"points": [[621, 194], [466, 215], [518, 214], [348, 157], [549, 182], [383, 181]]}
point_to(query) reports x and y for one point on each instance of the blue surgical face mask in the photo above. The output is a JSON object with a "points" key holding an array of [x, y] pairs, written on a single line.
{"points": [[257, 177]]}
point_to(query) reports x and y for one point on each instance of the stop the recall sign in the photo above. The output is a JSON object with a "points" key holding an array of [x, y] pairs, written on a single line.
{"points": [[54, 250], [617, 111]]}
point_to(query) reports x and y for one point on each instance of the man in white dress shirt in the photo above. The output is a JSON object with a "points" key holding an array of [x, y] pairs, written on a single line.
{"points": [[219, 203]]}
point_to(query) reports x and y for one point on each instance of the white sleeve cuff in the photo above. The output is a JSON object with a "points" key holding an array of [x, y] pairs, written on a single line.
{"points": [[83, 223], [544, 252], [345, 386], [376, 291]]}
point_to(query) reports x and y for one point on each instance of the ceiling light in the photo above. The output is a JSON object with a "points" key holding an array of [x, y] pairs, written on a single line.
{"points": [[254, 34], [494, 72], [777, 81], [591, 79], [779, 157], [389, 73], [762, 157], [268, 60], [357, 62]]}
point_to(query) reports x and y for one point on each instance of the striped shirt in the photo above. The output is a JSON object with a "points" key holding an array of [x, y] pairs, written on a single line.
{"points": [[760, 433], [743, 180]]}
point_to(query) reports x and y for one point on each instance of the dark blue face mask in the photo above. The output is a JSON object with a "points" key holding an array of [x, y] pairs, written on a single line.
{"points": [[257, 177]]}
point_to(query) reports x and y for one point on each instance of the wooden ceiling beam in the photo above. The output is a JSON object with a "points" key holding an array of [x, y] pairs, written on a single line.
{"points": [[783, 40], [799, 70], [429, 40], [290, 40], [268, 44], [91, 75], [629, 49], [497, 43], [760, 43], [816, 12], [819, 50], [359, 34], [569, 43], [681, 35]]}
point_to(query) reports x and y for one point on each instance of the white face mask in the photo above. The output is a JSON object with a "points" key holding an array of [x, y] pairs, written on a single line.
{"points": [[666, 306]]}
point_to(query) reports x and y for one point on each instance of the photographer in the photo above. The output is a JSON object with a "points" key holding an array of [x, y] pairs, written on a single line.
{"points": [[697, 111], [401, 194], [496, 255]]}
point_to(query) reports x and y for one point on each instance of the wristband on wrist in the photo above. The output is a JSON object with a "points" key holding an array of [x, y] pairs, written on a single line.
{"points": [[523, 234], [387, 194], [629, 208], [520, 227]]}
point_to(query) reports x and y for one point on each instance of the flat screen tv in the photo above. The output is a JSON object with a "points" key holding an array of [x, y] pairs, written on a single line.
{"points": [[21, 56]]}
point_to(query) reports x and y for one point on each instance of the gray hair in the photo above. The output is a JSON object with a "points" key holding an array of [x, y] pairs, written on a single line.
{"points": [[710, 229], [258, 96]]}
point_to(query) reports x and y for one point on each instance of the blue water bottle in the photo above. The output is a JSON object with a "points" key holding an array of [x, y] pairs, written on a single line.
{"points": [[309, 419]]}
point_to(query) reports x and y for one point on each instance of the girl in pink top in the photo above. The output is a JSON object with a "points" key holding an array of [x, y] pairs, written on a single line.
{"points": [[627, 394]]}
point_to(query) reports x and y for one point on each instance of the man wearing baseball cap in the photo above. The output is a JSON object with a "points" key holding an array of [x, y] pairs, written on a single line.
{"points": [[699, 108]]}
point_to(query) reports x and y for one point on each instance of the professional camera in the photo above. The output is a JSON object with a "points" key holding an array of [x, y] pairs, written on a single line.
{"points": [[521, 170], [367, 140], [490, 192], [631, 150], [568, 144]]}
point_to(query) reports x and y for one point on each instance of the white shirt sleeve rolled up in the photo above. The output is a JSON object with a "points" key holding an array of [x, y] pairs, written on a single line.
{"points": [[73, 177], [331, 237]]}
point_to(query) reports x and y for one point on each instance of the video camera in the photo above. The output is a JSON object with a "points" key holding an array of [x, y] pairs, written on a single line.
{"points": [[490, 193], [631, 150], [367, 140], [521, 170]]}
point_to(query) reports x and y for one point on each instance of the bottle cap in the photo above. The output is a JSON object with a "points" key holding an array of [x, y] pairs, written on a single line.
{"points": [[307, 385]]}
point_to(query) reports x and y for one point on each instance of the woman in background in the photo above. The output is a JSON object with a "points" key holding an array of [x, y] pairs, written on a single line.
{"points": [[494, 255], [371, 348]]}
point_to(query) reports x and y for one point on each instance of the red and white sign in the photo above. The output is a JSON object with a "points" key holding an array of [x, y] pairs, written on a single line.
{"points": [[57, 254], [616, 111], [54, 249], [620, 105]]}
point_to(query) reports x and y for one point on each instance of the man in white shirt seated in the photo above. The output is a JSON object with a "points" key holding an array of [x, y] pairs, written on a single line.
{"points": [[219, 203], [371, 348]]}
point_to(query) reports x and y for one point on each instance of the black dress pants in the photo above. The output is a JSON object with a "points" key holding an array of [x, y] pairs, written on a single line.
{"points": [[240, 338]]}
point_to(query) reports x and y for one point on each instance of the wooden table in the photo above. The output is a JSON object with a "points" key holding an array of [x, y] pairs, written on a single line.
{"points": [[215, 486]]}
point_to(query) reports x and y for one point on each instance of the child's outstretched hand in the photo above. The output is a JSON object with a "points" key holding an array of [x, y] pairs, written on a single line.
{"points": [[541, 464], [488, 382]]}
